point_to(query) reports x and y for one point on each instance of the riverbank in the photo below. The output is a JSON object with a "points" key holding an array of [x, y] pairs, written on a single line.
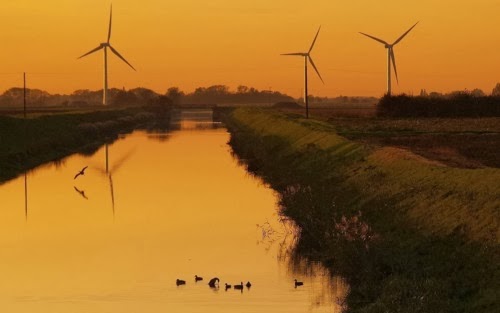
{"points": [[50, 137], [409, 234]]}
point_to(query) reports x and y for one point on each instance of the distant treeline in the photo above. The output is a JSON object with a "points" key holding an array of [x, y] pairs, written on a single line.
{"points": [[217, 94], [341, 101], [463, 104]]}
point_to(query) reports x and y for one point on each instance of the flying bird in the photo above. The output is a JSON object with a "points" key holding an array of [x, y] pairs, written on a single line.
{"points": [[81, 192], [82, 172]]}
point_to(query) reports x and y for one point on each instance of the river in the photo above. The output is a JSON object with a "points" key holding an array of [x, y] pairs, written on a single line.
{"points": [[168, 206]]}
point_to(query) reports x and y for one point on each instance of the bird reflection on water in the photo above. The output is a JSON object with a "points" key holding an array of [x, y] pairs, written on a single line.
{"points": [[81, 192]]}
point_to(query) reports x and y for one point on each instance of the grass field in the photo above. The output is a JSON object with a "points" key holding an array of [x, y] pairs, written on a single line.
{"points": [[457, 142]]}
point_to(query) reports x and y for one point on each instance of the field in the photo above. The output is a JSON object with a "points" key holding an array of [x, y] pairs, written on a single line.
{"points": [[456, 142]]}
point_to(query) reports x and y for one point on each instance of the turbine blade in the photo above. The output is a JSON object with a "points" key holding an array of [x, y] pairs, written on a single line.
{"points": [[123, 59], [402, 36], [314, 41], [118, 164], [393, 58], [110, 19], [297, 53], [315, 68], [374, 38], [91, 51]]}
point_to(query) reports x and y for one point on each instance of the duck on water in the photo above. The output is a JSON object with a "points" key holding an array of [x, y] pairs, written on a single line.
{"points": [[214, 282]]}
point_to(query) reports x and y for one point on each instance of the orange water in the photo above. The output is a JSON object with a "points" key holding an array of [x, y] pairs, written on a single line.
{"points": [[169, 206]]}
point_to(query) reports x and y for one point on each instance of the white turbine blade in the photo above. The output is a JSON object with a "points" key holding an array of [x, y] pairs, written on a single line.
{"points": [[123, 59], [402, 36], [374, 38], [91, 51], [314, 41], [297, 53], [110, 19], [393, 58], [315, 68]]}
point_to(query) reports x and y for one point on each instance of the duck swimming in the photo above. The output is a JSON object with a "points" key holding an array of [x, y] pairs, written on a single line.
{"points": [[213, 282], [179, 282]]}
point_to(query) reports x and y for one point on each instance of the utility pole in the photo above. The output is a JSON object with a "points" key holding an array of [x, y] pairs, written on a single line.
{"points": [[25, 147], [24, 94]]}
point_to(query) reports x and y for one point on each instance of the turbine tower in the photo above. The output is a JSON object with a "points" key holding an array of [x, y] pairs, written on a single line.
{"points": [[105, 46], [390, 56], [307, 57]]}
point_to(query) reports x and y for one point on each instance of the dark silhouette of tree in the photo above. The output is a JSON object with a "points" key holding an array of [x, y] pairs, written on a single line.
{"points": [[175, 94], [242, 89], [216, 94], [496, 91], [477, 93], [124, 98]]}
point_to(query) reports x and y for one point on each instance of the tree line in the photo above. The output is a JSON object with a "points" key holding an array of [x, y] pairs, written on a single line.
{"points": [[216, 94]]}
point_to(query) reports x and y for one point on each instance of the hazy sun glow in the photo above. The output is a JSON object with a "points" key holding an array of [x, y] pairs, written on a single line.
{"points": [[191, 43]]}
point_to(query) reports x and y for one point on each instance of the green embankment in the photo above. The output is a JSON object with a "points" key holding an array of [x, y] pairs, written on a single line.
{"points": [[408, 234], [37, 140]]}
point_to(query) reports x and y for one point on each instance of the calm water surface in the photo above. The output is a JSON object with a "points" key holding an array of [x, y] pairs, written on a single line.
{"points": [[170, 206]]}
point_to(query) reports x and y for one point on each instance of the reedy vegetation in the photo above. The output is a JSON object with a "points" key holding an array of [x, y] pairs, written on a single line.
{"points": [[427, 237]]}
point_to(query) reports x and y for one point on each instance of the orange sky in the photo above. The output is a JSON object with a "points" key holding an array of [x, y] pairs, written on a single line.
{"points": [[191, 43]]}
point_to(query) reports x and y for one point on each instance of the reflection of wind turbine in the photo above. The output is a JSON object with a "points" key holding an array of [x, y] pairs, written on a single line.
{"points": [[105, 47], [390, 56], [25, 195], [307, 56], [109, 173]]}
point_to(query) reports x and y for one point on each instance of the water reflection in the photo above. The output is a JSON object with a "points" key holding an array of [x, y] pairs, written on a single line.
{"points": [[107, 172], [26, 195], [81, 193], [194, 119], [186, 208]]}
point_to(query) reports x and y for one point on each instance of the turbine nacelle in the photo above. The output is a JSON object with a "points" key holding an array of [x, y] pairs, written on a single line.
{"points": [[104, 46], [391, 57], [307, 59], [308, 55]]}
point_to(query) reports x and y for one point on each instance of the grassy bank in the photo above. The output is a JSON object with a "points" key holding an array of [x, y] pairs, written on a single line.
{"points": [[408, 234], [44, 138]]}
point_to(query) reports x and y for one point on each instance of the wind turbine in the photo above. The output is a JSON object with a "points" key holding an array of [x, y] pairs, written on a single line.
{"points": [[390, 56], [307, 57], [105, 46]]}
